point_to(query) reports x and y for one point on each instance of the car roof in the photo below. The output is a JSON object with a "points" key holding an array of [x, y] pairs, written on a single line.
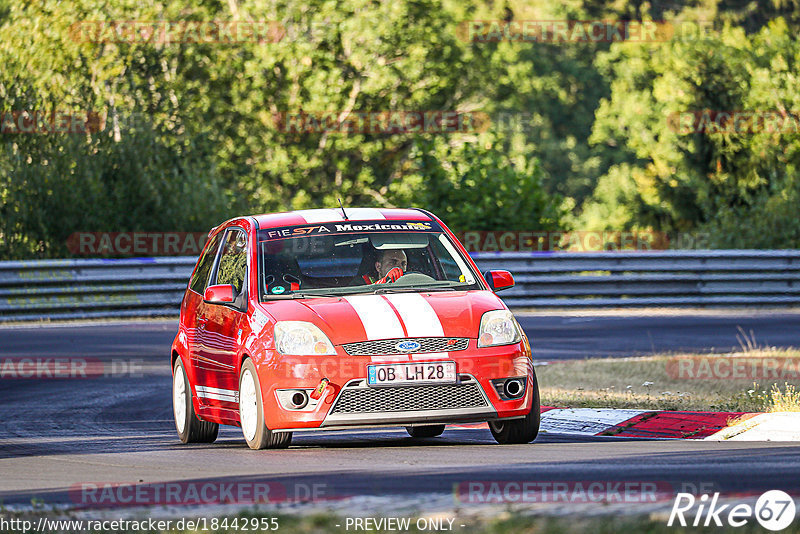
{"points": [[299, 217]]}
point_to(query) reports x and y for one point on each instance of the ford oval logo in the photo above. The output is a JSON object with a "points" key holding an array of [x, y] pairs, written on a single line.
{"points": [[407, 346]]}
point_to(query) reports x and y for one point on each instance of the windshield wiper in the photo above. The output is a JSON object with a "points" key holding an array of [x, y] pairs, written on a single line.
{"points": [[406, 289], [357, 290], [298, 295], [305, 294]]}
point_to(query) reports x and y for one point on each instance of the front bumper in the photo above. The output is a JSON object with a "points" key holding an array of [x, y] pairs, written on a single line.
{"points": [[348, 402], [359, 404]]}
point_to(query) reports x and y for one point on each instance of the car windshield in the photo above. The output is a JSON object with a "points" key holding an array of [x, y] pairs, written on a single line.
{"points": [[352, 258]]}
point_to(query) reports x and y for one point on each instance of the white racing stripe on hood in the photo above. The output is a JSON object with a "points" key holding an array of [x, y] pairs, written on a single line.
{"points": [[402, 358], [366, 214], [378, 318], [431, 356], [417, 314], [320, 215]]}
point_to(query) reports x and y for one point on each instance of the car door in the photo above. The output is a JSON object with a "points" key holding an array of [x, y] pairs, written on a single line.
{"points": [[223, 326], [195, 310]]}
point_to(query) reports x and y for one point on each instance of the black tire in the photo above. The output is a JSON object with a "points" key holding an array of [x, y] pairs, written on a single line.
{"points": [[192, 429], [426, 431], [262, 437], [523, 430]]}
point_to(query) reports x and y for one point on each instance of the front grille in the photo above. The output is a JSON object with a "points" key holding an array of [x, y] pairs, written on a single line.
{"points": [[409, 398], [388, 346]]}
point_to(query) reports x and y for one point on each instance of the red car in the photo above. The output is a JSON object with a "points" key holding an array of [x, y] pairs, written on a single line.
{"points": [[334, 319]]}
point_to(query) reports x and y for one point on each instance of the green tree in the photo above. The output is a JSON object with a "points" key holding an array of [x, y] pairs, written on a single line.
{"points": [[52, 186], [191, 124], [737, 185], [143, 171], [498, 193]]}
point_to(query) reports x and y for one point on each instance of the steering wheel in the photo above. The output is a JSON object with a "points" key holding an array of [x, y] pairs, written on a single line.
{"points": [[414, 278]]}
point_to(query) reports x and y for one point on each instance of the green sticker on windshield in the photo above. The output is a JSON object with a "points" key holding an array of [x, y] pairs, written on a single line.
{"points": [[277, 290]]}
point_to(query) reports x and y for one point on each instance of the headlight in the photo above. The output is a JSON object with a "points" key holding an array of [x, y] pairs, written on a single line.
{"points": [[498, 327], [299, 338]]}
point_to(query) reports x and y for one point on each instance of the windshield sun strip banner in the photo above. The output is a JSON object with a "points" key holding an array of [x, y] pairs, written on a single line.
{"points": [[346, 227]]}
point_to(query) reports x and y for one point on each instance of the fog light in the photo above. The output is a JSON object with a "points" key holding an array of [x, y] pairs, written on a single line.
{"points": [[299, 400], [296, 399], [514, 387], [510, 388]]}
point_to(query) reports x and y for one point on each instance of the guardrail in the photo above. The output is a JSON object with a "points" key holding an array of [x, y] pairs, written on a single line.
{"points": [[93, 288], [656, 278], [96, 288]]}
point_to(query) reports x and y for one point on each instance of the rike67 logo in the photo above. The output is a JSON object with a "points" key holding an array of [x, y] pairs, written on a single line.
{"points": [[774, 510]]}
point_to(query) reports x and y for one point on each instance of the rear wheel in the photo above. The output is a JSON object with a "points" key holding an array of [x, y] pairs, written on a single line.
{"points": [[426, 431], [251, 413], [522, 430], [190, 428]]}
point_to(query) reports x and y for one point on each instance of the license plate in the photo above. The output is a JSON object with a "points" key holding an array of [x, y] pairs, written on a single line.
{"points": [[411, 373]]}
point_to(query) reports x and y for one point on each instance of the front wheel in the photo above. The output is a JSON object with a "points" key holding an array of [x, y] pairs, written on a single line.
{"points": [[190, 428], [251, 413], [522, 430]]}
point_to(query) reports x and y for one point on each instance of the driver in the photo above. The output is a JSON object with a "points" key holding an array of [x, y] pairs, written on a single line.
{"points": [[390, 265]]}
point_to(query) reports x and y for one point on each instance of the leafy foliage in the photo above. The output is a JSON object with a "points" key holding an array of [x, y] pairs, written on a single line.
{"points": [[740, 185], [54, 186], [496, 192], [579, 133]]}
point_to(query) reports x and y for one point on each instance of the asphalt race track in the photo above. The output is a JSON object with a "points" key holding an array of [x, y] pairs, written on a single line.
{"points": [[59, 433], [553, 337]]}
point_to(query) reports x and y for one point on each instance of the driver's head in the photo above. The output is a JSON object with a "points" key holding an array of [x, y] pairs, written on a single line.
{"points": [[388, 260]]}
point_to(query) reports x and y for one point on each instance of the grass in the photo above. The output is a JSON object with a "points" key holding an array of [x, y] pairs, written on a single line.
{"points": [[677, 382], [787, 400]]}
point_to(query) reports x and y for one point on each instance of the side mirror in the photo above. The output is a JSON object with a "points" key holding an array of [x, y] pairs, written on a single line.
{"points": [[221, 294], [499, 280]]}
